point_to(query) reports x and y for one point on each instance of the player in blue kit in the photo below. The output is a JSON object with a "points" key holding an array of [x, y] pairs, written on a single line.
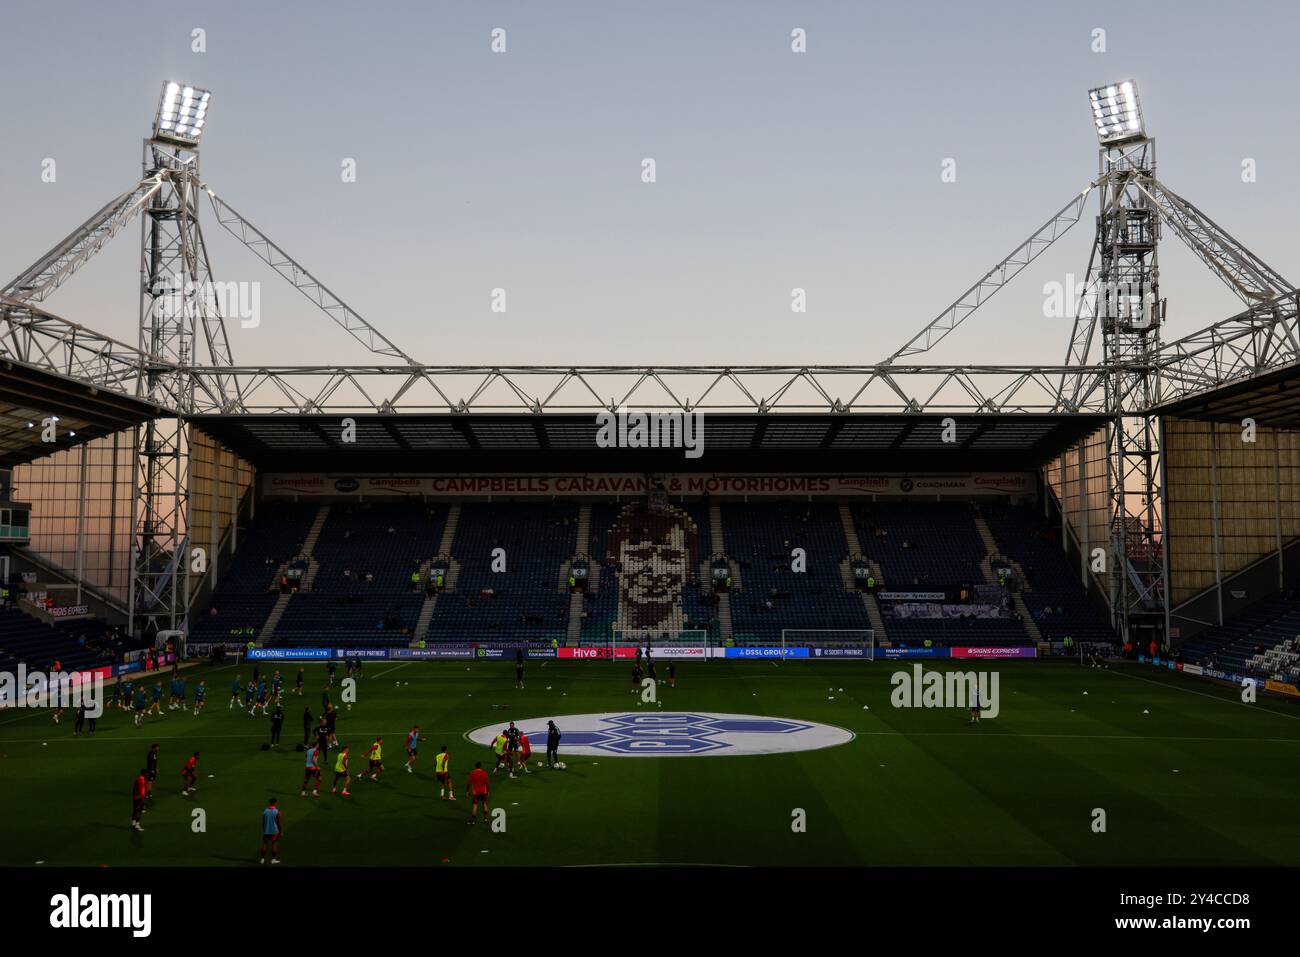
{"points": [[312, 776], [412, 748], [141, 700], [200, 697], [271, 827], [235, 687]]}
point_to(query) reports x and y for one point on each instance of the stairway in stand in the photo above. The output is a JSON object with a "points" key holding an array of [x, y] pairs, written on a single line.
{"points": [[308, 577], [991, 578], [846, 573], [453, 569], [720, 548]]}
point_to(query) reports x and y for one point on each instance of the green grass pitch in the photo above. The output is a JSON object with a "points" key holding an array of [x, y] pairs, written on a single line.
{"points": [[1186, 773]]}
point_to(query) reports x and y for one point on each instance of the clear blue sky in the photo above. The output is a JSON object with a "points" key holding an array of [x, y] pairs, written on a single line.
{"points": [[522, 170]]}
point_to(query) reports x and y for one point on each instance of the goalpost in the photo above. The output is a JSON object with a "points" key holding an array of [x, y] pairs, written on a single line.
{"points": [[831, 643]]}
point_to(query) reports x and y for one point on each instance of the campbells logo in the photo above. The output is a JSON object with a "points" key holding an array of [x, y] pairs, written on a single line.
{"points": [[864, 482], [76, 910]]}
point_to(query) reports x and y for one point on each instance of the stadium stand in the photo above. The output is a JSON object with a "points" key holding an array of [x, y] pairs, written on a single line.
{"points": [[357, 586], [245, 595], [1261, 641], [361, 589], [931, 544], [81, 643], [526, 601], [601, 605], [760, 537], [1056, 598]]}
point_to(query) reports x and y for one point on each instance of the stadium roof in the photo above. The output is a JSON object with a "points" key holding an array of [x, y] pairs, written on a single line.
{"points": [[514, 442], [28, 395], [1270, 398]]}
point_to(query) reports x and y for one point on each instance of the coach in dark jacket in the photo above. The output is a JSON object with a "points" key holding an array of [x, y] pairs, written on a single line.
{"points": [[552, 744]]}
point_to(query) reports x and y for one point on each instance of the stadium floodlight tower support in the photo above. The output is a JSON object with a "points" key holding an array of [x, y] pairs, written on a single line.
{"points": [[178, 304], [1122, 295]]}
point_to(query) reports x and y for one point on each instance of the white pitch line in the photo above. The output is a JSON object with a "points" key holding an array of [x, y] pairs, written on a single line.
{"points": [[392, 669], [1100, 737], [198, 737], [1170, 684]]}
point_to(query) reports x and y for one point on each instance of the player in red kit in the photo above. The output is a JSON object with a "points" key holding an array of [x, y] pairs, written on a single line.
{"points": [[478, 792], [138, 791], [190, 775]]}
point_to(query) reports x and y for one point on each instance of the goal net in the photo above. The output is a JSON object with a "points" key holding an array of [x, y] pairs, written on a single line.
{"points": [[830, 643]]}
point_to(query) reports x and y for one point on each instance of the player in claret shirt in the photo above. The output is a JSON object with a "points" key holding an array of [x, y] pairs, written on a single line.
{"points": [[525, 752], [190, 774], [478, 792], [138, 790], [512, 742]]}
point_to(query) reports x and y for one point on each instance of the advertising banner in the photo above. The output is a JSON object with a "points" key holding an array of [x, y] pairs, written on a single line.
{"points": [[996, 651], [1282, 687], [68, 611], [463, 652], [591, 653], [761, 652], [362, 652], [288, 484], [289, 654], [679, 651], [844, 652], [911, 652]]}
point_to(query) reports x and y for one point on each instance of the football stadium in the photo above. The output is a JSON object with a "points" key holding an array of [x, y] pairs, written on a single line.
{"points": [[887, 614]]}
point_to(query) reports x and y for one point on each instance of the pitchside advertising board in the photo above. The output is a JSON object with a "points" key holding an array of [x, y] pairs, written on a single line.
{"points": [[336, 485], [1011, 651], [628, 653], [1271, 685]]}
